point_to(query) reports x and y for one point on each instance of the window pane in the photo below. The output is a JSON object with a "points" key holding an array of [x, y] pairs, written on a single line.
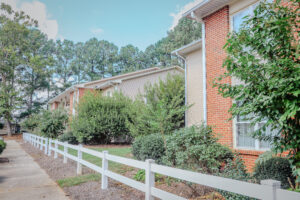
{"points": [[244, 138], [265, 144], [238, 19]]}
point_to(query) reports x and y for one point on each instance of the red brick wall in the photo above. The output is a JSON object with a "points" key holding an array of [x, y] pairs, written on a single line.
{"points": [[71, 103], [217, 28]]}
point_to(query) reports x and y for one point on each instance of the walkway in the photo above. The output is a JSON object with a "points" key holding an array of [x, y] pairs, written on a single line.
{"points": [[22, 178]]}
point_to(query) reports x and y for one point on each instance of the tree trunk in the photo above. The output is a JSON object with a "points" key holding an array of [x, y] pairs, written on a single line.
{"points": [[9, 127]]}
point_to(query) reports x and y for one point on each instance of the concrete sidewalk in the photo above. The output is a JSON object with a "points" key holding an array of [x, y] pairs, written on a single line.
{"points": [[22, 178]]}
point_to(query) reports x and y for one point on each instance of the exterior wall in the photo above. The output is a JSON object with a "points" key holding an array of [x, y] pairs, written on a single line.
{"points": [[194, 87], [217, 28], [56, 104], [133, 87], [71, 103]]}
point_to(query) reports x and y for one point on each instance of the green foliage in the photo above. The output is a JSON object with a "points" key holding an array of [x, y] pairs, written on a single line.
{"points": [[159, 54], [264, 55], [31, 122], [234, 169], [68, 137], [164, 110], [276, 168], [264, 157], [2, 146], [100, 118], [53, 123], [140, 176], [14, 31], [149, 147], [196, 148]]}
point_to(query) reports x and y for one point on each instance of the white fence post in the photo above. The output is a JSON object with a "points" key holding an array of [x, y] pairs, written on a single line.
{"points": [[149, 179], [274, 185], [41, 144], [46, 145], [104, 178], [49, 147], [65, 152], [56, 148], [79, 156]]}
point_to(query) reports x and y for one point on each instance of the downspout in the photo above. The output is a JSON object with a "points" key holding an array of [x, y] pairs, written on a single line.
{"points": [[204, 73], [185, 89]]}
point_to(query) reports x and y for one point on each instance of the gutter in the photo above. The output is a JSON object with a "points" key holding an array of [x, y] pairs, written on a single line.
{"points": [[204, 73]]}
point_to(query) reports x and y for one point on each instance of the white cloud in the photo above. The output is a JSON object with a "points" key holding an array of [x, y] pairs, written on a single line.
{"points": [[97, 31], [178, 15], [38, 11]]}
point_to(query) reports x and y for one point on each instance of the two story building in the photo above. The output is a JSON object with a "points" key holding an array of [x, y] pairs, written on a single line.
{"points": [[204, 59], [130, 84]]}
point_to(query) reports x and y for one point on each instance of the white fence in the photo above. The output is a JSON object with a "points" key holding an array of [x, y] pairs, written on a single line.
{"points": [[268, 189]]}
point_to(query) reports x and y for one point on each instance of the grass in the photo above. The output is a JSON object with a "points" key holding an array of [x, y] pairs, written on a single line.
{"points": [[112, 166], [71, 181]]}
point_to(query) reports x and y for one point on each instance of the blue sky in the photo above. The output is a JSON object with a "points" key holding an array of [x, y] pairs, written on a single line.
{"points": [[137, 22]]}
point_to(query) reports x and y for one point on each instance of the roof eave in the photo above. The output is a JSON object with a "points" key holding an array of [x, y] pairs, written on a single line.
{"points": [[182, 51], [205, 8]]}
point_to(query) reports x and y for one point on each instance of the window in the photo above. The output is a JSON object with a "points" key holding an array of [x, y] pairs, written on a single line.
{"points": [[108, 94], [244, 130], [238, 18]]}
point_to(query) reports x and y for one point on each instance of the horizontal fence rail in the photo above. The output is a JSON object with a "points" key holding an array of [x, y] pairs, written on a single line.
{"points": [[268, 189]]}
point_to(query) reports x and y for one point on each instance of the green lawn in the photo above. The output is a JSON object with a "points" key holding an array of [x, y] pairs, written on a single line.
{"points": [[112, 166]]}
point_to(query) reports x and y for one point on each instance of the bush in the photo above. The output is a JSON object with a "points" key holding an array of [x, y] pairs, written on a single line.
{"points": [[164, 111], [53, 123], [234, 169], [277, 168], [31, 122], [149, 147], [68, 137], [2, 146], [100, 118], [196, 148]]}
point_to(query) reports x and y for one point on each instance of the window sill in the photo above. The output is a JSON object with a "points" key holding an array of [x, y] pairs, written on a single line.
{"points": [[250, 152]]}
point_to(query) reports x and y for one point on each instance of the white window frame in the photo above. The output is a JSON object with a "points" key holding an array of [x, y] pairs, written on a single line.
{"points": [[235, 135]]}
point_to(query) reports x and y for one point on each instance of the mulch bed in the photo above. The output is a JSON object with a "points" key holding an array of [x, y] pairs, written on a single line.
{"points": [[91, 190]]}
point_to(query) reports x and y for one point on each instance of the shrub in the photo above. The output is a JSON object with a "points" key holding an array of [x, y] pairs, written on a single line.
{"points": [[2, 146], [31, 122], [277, 168], [149, 147], [164, 111], [53, 123], [196, 148], [68, 137], [264, 157], [234, 169], [100, 118]]}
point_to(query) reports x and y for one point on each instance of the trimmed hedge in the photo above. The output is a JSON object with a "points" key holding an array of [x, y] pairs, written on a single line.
{"points": [[149, 147], [276, 168]]}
